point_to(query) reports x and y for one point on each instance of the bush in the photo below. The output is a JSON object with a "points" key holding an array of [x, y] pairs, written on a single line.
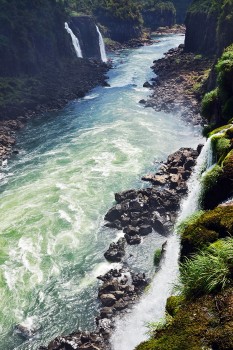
{"points": [[209, 271]]}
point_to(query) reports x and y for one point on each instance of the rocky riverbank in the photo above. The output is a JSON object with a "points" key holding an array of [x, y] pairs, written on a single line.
{"points": [[178, 83], [49, 92]]}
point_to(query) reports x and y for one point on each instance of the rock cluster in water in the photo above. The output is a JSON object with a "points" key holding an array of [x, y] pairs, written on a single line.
{"points": [[120, 289], [139, 212]]}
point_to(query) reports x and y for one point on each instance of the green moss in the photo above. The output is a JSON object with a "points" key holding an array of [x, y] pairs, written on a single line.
{"points": [[219, 129], [228, 167], [173, 304], [205, 228], [157, 256], [210, 179], [221, 146], [210, 104], [201, 324]]}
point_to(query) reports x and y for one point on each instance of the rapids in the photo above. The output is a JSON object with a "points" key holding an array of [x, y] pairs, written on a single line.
{"points": [[55, 193]]}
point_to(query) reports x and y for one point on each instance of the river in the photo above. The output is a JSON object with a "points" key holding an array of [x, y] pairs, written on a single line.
{"points": [[56, 191]]}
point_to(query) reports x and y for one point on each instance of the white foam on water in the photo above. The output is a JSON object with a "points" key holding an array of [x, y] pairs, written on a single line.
{"points": [[90, 97]]}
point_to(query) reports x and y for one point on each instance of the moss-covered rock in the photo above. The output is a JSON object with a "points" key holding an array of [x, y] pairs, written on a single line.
{"points": [[200, 231], [173, 304], [206, 323]]}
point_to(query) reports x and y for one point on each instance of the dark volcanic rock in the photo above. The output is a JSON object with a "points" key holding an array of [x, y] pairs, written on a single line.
{"points": [[132, 240], [116, 251]]}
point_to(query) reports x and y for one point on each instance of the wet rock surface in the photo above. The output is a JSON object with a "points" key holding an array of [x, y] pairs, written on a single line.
{"points": [[119, 291]]}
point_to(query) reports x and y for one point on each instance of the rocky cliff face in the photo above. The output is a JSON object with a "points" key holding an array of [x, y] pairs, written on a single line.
{"points": [[201, 29], [84, 28], [209, 26], [156, 18], [120, 30], [181, 7], [39, 66]]}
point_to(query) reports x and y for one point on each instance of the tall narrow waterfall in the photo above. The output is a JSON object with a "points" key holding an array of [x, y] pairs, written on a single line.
{"points": [[131, 329], [75, 41], [102, 46]]}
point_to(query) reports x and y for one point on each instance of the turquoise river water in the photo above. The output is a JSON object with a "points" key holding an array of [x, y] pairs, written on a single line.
{"points": [[55, 193]]}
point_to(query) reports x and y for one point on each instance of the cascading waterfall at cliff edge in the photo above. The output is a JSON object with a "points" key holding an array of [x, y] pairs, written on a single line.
{"points": [[75, 41], [132, 329], [102, 46]]}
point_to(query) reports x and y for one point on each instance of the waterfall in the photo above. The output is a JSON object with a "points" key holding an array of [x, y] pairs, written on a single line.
{"points": [[102, 46], [204, 162], [75, 41], [131, 329]]}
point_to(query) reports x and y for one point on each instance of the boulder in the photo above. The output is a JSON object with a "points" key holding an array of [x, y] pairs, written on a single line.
{"points": [[107, 299], [131, 230], [199, 148], [158, 226], [132, 240], [145, 230], [190, 162], [116, 251], [120, 305], [114, 213], [121, 196], [147, 85]]}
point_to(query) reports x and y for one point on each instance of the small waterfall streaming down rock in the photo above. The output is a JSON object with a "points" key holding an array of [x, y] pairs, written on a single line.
{"points": [[132, 328], [75, 41], [102, 46], [204, 162]]}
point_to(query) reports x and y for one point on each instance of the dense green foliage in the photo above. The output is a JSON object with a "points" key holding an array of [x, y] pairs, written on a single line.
{"points": [[217, 105], [208, 271]]}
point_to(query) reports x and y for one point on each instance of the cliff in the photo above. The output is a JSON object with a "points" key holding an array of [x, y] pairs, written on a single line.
{"points": [[201, 27], [122, 18], [209, 26], [160, 15], [39, 68], [84, 28], [181, 7]]}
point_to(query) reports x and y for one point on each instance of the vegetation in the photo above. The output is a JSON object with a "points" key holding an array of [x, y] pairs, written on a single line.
{"points": [[157, 256], [209, 271], [217, 105], [204, 228]]}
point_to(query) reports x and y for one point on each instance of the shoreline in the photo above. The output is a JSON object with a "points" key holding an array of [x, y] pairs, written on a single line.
{"points": [[16, 118]]}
